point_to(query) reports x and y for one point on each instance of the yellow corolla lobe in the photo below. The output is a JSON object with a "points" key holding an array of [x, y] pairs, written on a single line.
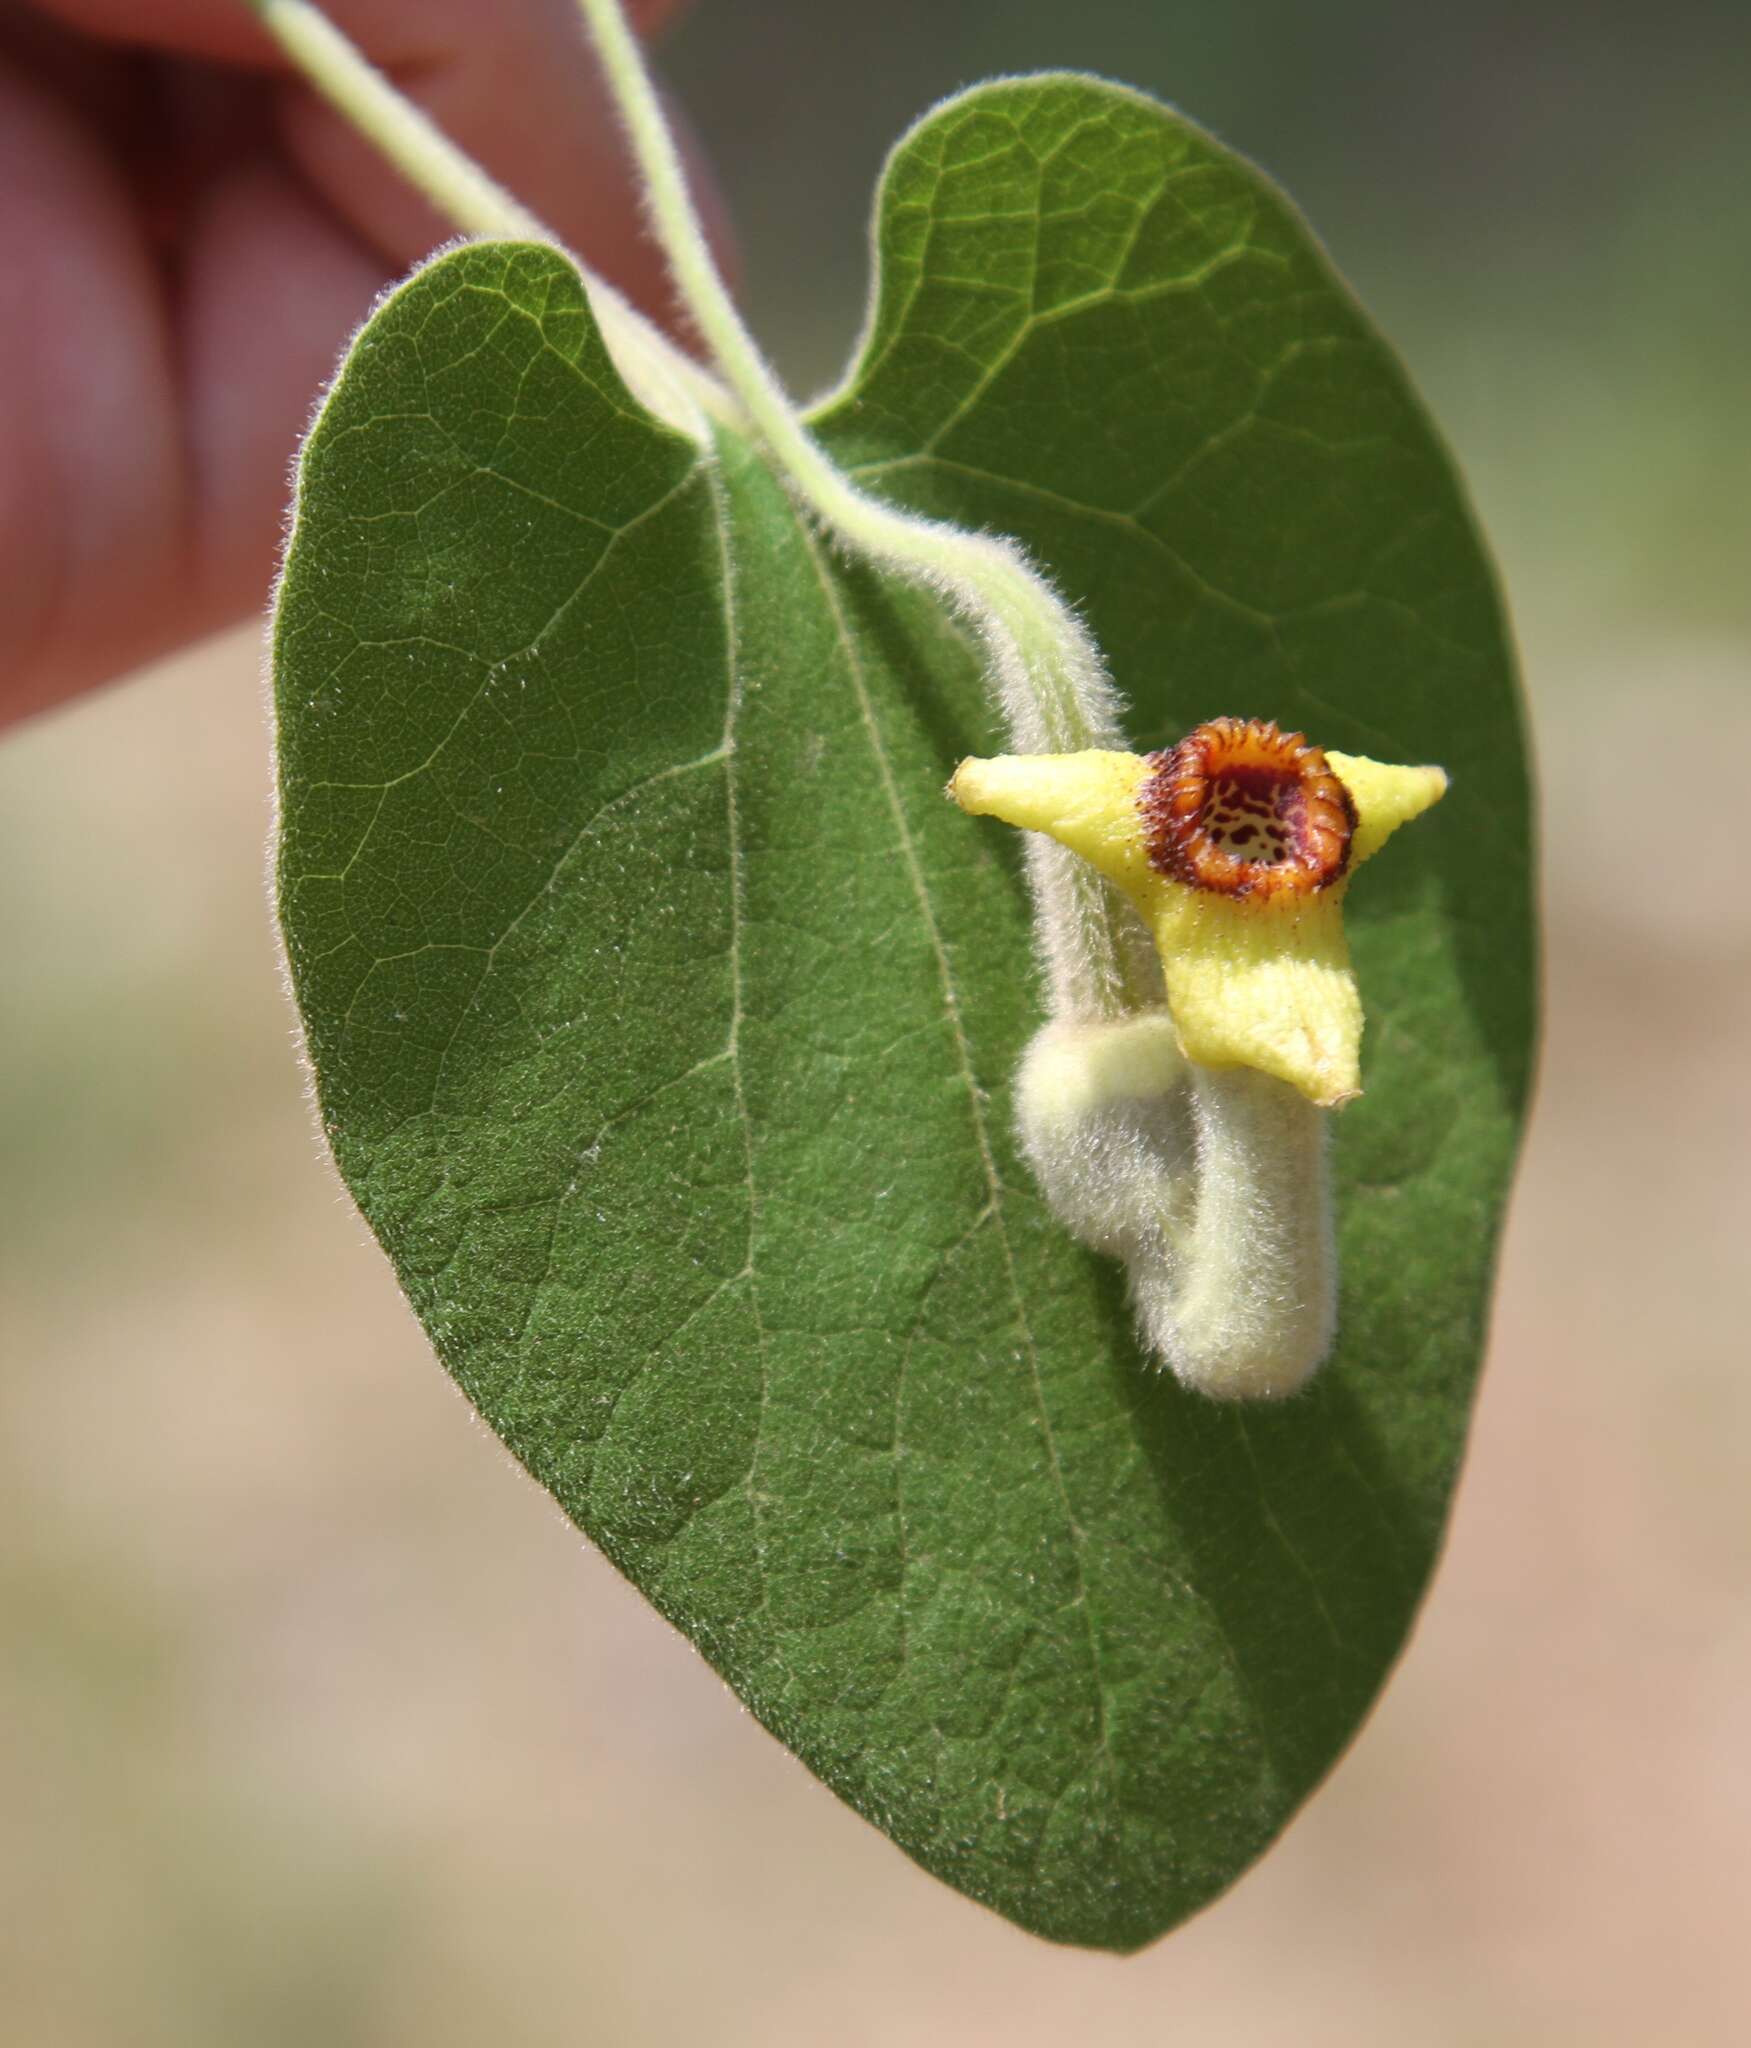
{"points": [[1088, 802], [1385, 797], [1236, 847]]}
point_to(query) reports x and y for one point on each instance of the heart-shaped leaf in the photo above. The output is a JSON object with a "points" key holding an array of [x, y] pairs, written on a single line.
{"points": [[663, 1013]]}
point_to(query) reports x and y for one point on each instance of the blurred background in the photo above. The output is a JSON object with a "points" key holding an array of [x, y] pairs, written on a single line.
{"points": [[317, 1724]]}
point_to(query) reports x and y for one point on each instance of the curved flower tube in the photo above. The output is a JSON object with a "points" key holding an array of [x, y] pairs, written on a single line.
{"points": [[1189, 1140]]}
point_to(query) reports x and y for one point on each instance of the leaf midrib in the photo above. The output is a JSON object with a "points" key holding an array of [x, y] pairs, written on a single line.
{"points": [[733, 1038], [993, 1211]]}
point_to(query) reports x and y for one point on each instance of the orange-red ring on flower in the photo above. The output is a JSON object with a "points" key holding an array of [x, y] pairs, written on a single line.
{"points": [[1238, 783]]}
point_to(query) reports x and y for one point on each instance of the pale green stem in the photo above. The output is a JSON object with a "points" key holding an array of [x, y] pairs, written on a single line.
{"points": [[1244, 1306], [425, 156], [659, 374], [1048, 675]]}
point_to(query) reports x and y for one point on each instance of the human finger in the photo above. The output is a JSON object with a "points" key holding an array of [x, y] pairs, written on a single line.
{"points": [[520, 94]]}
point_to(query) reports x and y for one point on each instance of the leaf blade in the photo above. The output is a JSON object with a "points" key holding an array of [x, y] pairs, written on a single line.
{"points": [[662, 1016]]}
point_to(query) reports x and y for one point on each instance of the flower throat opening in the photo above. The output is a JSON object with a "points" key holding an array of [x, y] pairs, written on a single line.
{"points": [[1242, 809]]}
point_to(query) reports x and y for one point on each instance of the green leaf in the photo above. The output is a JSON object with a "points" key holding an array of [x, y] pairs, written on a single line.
{"points": [[663, 1013]]}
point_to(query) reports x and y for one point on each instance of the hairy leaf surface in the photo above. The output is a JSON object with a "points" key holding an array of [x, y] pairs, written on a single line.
{"points": [[663, 1012]]}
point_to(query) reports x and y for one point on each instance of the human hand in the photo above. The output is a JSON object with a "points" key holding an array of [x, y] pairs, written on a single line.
{"points": [[187, 238]]}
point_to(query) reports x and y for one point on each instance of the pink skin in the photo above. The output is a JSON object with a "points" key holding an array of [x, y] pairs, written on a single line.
{"points": [[187, 238]]}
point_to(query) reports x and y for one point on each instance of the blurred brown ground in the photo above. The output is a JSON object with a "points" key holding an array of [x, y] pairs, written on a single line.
{"points": [[317, 1724]]}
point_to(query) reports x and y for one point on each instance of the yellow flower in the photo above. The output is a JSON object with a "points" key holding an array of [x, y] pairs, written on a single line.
{"points": [[1237, 847]]}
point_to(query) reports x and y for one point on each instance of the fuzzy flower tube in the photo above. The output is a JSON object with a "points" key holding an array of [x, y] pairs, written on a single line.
{"points": [[1189, 1139]]}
